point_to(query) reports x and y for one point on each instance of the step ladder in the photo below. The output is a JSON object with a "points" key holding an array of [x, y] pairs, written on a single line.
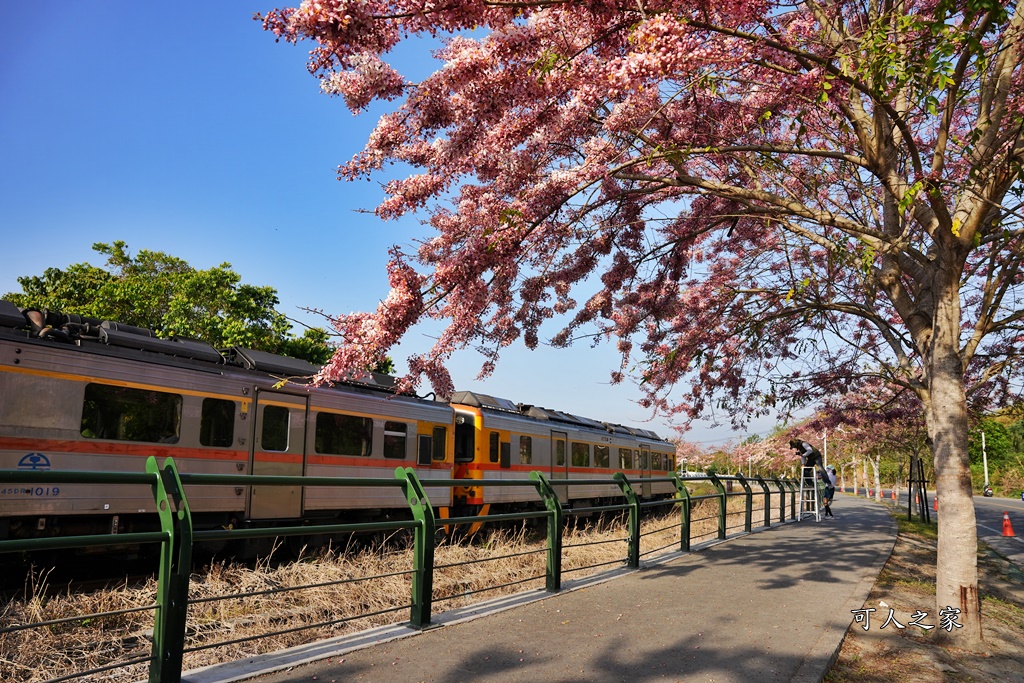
{"points": [[810, 500]]}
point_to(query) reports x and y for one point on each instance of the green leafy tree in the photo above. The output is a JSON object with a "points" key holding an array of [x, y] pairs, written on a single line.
{"points": [[162, 292], [1015, 430], [314, 345], [998, 442]]}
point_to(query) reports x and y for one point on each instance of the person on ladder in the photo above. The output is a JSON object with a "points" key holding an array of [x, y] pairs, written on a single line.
{"points": [[809, 458]]}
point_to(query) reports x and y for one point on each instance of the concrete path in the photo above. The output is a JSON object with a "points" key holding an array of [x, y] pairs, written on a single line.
{"points": [[769, 606]]}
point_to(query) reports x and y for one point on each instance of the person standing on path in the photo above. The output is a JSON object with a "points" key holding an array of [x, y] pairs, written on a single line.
{"points": [[829, 478]]}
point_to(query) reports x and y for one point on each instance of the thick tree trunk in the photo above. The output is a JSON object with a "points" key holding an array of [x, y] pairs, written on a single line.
{"points": [[946, 412]]}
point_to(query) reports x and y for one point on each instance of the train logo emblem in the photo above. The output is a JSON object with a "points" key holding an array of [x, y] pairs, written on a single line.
{"points": [[34, 461]]}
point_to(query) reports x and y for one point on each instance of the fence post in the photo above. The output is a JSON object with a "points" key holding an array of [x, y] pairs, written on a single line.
{"points": [[633, 539], [173, 573], [684, 531], [748, 514], [721, 503], [767, 501], [423, 547], [782, 500], [554, 507], [792, 498]]}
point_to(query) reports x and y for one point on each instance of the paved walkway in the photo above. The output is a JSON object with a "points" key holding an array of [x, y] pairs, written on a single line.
{"points": [[769, 606]]}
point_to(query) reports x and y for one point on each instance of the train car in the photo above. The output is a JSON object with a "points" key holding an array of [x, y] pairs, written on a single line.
{"points": [[82, 394], [496, 438], [78, 394]]}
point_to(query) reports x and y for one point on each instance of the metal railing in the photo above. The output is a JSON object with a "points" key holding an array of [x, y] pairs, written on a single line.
{"points": [[177, 538]]}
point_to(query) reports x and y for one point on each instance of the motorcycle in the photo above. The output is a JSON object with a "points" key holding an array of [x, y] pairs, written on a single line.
{"points": [[988, 491]]}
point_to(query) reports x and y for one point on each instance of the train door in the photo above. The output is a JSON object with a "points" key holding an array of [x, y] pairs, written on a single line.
{"points": [[560, 463], [645, 471], [465, 457], [278, 449]]}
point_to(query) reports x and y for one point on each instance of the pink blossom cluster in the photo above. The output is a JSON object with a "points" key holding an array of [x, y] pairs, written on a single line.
{"points": [[366, 79]]}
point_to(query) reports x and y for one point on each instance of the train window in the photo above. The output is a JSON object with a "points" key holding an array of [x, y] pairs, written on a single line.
{"points": [[525, 450], [394, 439], [127, 414], [217, 424], [343, 434], [559, 452], [656, 462], [426, 446], [643, 460], [670, 462], [494, 439], [275, 429], [580, 454], [440, 444], [601, 456], [626, 458]]}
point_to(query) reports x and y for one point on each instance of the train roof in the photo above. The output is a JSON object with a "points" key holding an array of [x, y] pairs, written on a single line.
{"points": [[503, 405], [127, 341], [141, 343]]}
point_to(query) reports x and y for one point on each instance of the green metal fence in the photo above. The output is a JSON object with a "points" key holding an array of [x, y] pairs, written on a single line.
{"points": [[177, 538]]}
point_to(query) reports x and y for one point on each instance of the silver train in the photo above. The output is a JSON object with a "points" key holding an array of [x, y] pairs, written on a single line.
{"points": [[83, 394]]}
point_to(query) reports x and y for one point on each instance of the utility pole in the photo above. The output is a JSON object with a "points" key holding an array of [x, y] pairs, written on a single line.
{"points": [[824, 448], [984, 456]]}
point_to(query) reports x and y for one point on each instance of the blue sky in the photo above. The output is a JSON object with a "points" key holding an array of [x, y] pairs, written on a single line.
{"points": [[183, 127]]}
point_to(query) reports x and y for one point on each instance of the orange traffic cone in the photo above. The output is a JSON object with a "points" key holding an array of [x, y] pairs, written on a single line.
{"points": [[936, 505], [1007, 527], [894, 494]]}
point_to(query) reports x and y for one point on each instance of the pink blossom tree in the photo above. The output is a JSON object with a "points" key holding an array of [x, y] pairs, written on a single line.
{"points": [[692, 457], [770, 199], [883, 421], [771, 455]]}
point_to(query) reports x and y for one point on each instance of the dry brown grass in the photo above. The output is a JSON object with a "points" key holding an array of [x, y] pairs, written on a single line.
{"points": [[237, 604]]}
